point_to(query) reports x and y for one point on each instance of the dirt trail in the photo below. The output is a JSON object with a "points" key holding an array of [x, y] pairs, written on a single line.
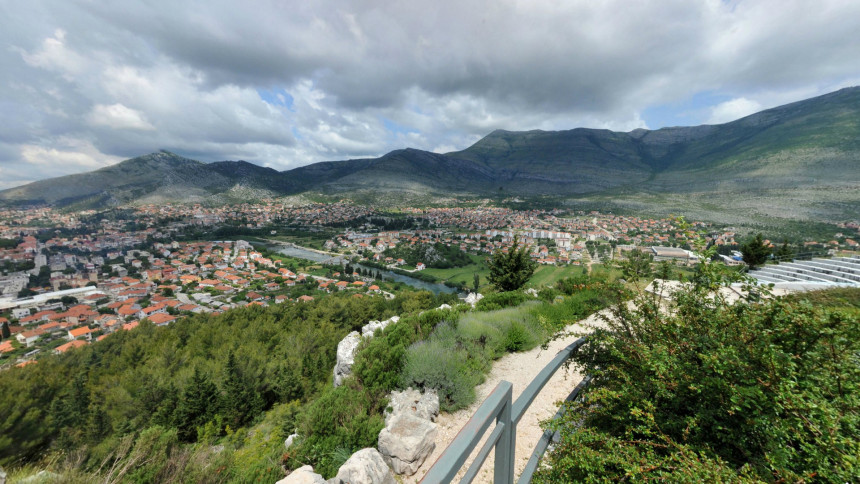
{"points": [[519, 369]]}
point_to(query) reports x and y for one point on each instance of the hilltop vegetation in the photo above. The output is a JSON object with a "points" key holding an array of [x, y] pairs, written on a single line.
{"points": [[175, 391], [757, 391]]}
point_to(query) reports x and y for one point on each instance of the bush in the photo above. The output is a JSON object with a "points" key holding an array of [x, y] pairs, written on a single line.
{"points": [[501, 300], [433, 364], [767, 391], [340, 419], [458, 354]]}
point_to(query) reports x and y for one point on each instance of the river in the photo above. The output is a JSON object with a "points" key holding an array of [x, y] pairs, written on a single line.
{"points": [[293, 250]]}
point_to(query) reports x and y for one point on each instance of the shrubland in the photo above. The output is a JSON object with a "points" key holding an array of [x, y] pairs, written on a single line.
{"points": [[208, 392], [704, 389]]}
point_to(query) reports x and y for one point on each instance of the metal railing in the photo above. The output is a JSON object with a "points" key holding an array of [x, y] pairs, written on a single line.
{"points": [[507, 414]]}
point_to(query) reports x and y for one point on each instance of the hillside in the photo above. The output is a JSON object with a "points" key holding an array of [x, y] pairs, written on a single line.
{"points": [[798, 161]]}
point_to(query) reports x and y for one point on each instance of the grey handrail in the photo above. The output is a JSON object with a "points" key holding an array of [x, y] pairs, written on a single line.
{"points": [[507, 415]]}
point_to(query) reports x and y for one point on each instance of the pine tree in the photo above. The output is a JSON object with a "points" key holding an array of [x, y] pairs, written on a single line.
{"points": [[476, 281], [511, 271], [196, 407], [240, 402], [4, 331], [754, 252], [784, 252]]}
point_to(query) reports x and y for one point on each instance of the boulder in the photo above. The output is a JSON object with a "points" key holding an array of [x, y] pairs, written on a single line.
{"points": [[368, 329], [290, 440], [473, 298], [444, 306], [406, 442], [413, 402], [364, 467], [303, 475], [531, 292], [345, 357]]}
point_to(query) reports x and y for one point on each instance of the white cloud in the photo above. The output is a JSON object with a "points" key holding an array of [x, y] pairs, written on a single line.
{"points": [[118, 116], [69, 156], [56, 56], [132, 77], [732, 110]]}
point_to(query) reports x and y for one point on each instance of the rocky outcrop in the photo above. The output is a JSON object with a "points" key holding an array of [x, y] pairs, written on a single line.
{"points": [[473, 298], [364, 467], [290, 440], [345, 357], [406, 442], [409, 435], [303, 475], [368, 329], [410, 401]]}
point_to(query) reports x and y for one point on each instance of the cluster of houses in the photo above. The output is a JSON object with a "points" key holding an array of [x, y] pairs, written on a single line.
{"points": [[172, 280]]}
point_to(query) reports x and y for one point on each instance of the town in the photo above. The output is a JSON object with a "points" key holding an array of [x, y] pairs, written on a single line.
{"points": [[70, 279]]}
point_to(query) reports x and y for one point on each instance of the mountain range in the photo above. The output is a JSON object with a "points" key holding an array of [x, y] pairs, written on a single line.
{"points": [[799, 161]]}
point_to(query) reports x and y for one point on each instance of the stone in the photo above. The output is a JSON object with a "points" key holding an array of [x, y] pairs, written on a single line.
{"points": [[531, 292], [413, 402], [473, 298], [345, 357], [368, 329], [290, 440], [364, 467], [444, 306], [406, 442], [303, 475]]}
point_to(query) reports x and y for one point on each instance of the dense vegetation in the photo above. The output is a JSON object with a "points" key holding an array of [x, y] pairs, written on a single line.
{"points": [[759, 390], [174, 391], [437, 256]]}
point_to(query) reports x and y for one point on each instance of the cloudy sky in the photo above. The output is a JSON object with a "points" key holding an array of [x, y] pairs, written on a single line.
{"points": [[87, 83]]}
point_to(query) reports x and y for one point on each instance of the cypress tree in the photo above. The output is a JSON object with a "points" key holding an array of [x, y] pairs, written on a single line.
{"points": [[511, 271]]}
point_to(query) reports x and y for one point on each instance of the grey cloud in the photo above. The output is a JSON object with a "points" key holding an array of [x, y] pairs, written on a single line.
{"points": [[136, 76]]}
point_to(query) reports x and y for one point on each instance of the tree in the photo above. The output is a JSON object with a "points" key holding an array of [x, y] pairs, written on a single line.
{"points": [[784, 252], [754, 252], [240, 401], [476, 281], [4, 331], [637, 265], [509, 272], [197, 405]]}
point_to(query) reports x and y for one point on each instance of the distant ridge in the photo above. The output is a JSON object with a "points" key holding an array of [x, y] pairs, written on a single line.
{"points": [[807, 151]]}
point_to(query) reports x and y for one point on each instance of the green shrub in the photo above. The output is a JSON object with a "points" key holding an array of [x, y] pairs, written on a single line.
{"points": [[767, 390], [516, 337], [433, 364], [339, 419], [501, 300], [459, 353]]}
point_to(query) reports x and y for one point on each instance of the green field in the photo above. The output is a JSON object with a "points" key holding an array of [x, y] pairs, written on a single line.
{"points": [[464, 275], [546, 275]]}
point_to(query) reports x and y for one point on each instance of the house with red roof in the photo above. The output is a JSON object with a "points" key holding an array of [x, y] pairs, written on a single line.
{"points": [[82, 332], [77, 343], [161, 319]]}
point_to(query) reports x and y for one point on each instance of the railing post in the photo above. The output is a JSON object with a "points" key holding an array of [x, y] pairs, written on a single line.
{"points": [[503, 470]]}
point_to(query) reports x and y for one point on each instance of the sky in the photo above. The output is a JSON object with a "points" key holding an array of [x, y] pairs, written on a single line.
{"points": [[88, 83]]}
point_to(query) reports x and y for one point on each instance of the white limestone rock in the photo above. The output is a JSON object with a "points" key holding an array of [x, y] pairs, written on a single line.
{"points": [[406, 442], [364, 467], [413, 402], [303, 475], [473, 298], [345, 357], [290, 440], [368, 329]]}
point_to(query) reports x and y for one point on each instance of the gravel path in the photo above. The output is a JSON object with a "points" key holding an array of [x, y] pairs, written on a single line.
{"points": [[519, 369]]}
